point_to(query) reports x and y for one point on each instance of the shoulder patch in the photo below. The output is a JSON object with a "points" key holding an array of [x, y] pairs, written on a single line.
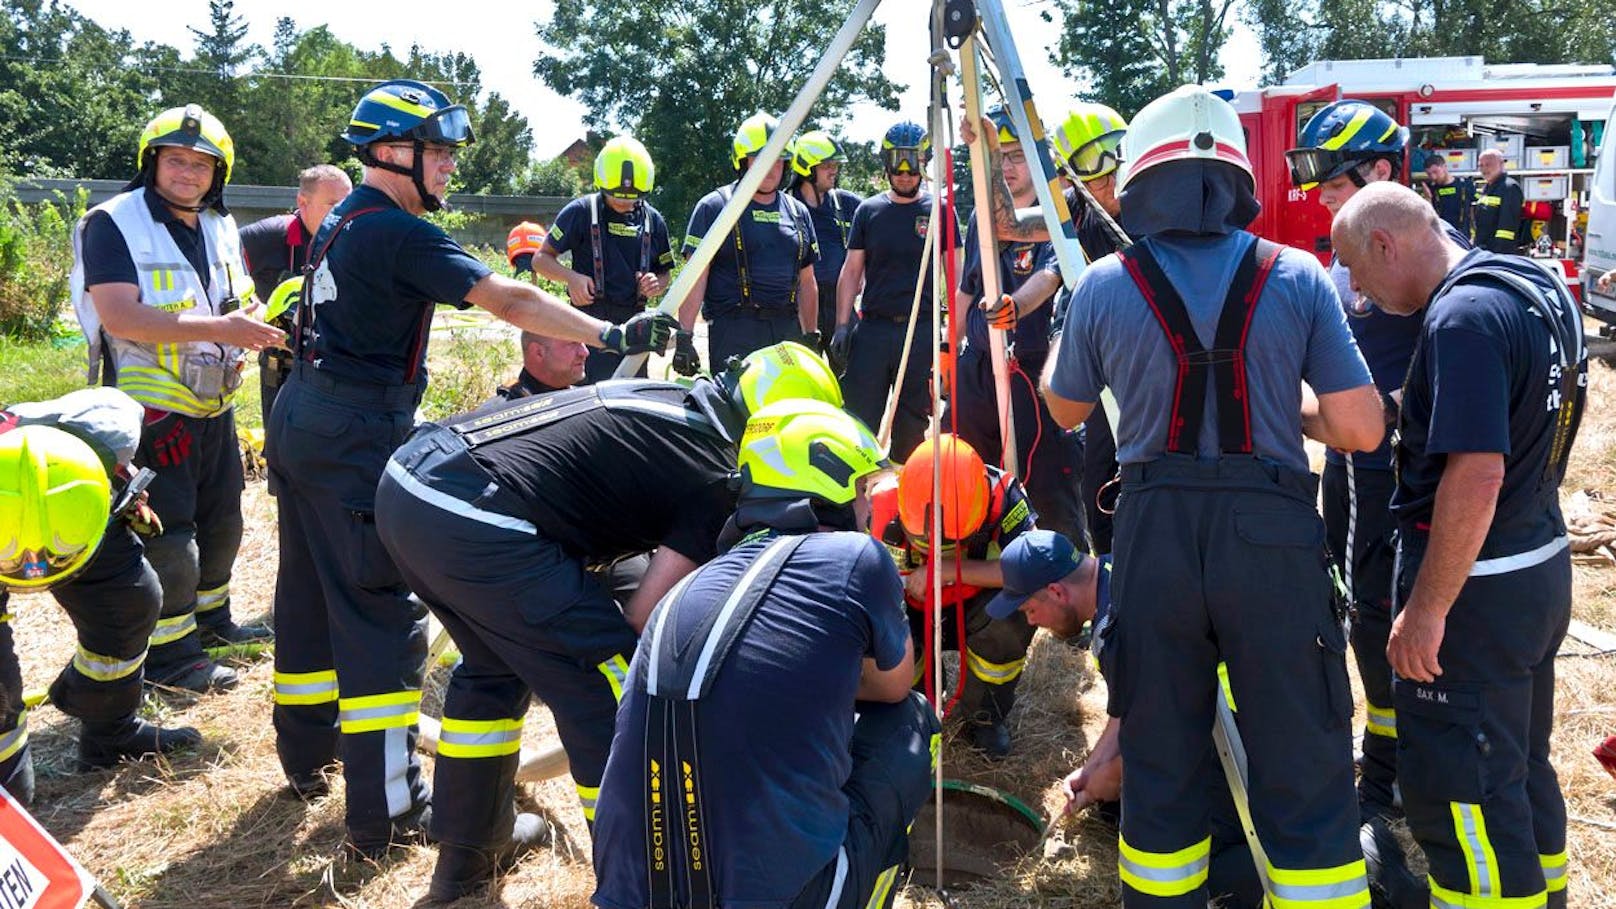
{"points": [[1014, 517]]}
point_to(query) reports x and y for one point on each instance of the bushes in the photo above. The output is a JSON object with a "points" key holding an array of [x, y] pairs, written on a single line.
{"points": [[36, 257]]}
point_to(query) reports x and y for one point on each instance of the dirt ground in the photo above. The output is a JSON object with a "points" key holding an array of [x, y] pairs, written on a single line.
{"points": [[213, 830]]}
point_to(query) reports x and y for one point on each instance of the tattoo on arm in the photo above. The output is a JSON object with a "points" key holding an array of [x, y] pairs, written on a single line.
{"points": [[1009, 224]]}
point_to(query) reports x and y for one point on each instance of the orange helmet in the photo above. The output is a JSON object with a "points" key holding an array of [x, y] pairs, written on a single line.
{"points": [[525, 239], [964, 488]]}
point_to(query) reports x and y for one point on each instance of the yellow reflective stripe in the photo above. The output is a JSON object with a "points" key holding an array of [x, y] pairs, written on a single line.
{"points": [[1382, 721], [1224, 686], [173, 628], [882, 888], [587, 796], [1391, 130], [936, 748], [209, 600], [1490, 201], [303, 688], [399, 104], [352, 122], [374, 712], [1443, 898], [692, 240], [1342, 887], [1164, 873], [459, 738], [163, 391], [104, 668], [1554, 871], [1503, 234], [1356, 123], [1481, 863], [991, 672], [12, 742], [616, 672]]}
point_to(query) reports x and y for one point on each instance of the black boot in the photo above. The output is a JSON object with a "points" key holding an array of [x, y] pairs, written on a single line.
{"points": [[201, 676], [463, 870], [1391, 884], [105, 744], [407, 829], [990, 736], [228, 633]]}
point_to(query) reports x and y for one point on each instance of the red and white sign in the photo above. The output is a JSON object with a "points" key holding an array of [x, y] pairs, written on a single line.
{"points": [[35, 871]]}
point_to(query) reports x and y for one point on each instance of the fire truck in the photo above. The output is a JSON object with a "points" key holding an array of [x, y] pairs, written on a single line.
{"points": [[1549, 120]]}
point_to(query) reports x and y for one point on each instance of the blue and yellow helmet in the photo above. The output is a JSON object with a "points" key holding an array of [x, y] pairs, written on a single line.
{"points": [[408, 110], [1342, 136]]}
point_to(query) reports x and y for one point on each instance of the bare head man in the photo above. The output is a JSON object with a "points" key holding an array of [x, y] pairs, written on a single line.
{"points": [[1491, 164], [556, 363], [319, 189], [1393, 243]]}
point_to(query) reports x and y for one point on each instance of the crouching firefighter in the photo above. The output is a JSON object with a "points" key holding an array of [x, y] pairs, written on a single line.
{"points": [[64, 467], [984, 509], [769, 751], [494, 517]]}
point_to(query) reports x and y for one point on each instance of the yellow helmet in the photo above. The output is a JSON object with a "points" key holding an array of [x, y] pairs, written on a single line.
{"points": [[780, 372], [284, 299], [623, 168], [802, 448], [54, 505], [813, 149], [752, 135], [1089, 140], [194, 128]]}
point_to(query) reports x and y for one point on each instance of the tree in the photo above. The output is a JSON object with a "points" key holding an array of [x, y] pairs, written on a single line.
{"points": [[681, 75], [210, 78], [1132, 51]]}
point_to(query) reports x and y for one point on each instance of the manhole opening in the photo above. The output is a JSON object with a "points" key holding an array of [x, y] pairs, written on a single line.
{"points": [[984, 831]]}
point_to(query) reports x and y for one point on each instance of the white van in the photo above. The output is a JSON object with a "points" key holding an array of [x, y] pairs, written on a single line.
{"points": [[1600, 243]]}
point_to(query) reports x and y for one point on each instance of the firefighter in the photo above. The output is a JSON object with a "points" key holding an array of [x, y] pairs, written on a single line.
{"points": [[1454, 198], [63, 465], [1225, 556], [759, 288], [168, 308], [1498, 208], [1049, 459], [1057, 588], [795, 734], [349, 639], [984, 509], [816, 162], [548, 364], [492, 518], [275, 249], [621, 255], [1483, 586], [884, 247]]}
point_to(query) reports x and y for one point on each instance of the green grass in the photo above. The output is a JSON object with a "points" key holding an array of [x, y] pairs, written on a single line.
{"points": [[38, 370]]}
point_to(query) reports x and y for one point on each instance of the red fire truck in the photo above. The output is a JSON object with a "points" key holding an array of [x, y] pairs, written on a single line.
{"points": [[1548, 119]]}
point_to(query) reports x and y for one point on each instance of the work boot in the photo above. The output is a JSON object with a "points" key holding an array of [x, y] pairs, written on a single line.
{"points": [[408, 829], [462, 871], [201, 676], [307, 787], [228, 633], [991, 737], [1391, 884], [103, 745]]}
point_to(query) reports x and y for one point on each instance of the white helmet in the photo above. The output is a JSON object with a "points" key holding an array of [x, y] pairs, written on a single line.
{"points": [[1188, 122]]}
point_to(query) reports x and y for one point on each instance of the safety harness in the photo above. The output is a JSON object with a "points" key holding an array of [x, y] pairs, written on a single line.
{"points": [[303, 341], [529, 413], [679, 674], [1226, 361], [1566, 343], [597, 245], [742, 266]]}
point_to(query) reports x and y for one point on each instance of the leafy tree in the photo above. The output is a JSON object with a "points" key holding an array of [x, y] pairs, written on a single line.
{"points": [[555, 177], [1132, 51], [682, 74]]}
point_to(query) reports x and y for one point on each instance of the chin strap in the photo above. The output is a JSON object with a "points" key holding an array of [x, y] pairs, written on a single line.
{"points": [[416, 172]]}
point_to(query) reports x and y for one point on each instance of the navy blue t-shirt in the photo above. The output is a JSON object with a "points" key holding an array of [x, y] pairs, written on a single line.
{"points": [[106, 252], [833, 218], [893, 237], [778, 239], [1018, 262], [1481, 381], [620, 241], [774, 730], [275, 248], [374, 293]]}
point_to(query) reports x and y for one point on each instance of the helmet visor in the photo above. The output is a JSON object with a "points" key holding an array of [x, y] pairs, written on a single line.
{"points": [[902, 160], [1098, 156], [450, 126], [1312, 166]]}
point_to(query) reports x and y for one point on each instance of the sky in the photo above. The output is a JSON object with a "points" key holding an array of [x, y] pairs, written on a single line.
{"points": [[505, 46]]}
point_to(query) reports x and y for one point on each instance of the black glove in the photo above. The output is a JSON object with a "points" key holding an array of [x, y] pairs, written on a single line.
{"points": [[646, 332], [839, 344], [686, 362], [811, 340]]}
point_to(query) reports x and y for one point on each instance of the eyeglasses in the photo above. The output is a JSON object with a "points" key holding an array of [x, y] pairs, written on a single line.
{"points": [[439, 152]]}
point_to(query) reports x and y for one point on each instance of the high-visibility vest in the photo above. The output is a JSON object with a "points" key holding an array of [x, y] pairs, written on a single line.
{"points": [[196, 378]]}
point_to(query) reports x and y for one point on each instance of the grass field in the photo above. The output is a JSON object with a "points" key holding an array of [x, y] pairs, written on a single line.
{"points": [[212, 830]]}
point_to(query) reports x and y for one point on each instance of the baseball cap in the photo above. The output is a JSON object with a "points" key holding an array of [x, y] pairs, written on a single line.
{"points": [[1031, 562]]}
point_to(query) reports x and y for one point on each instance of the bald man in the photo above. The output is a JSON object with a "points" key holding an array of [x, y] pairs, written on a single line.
{"points": [[1482, 592], [548, 364], [1498, 208]]}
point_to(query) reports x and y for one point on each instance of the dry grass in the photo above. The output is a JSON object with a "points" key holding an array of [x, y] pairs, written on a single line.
{"points": [[211, 830]]}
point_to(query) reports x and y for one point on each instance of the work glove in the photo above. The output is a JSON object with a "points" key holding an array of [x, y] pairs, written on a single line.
{"points": [[646, 332], [172, 444], [686, 362], [1001, 315], [811, 339], [840, 342], [142, 519]]}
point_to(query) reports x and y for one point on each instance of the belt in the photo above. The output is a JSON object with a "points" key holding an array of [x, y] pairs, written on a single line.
{"points": [[762, 313], [1224, 474], [357, 391]]}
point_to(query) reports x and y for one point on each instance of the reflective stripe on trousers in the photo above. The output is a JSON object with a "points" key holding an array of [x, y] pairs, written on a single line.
{"points": [[459, 738], [171, 629], [1164, 873], [375, 712], [1342, 887], [103, 668], [303, 688]]}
